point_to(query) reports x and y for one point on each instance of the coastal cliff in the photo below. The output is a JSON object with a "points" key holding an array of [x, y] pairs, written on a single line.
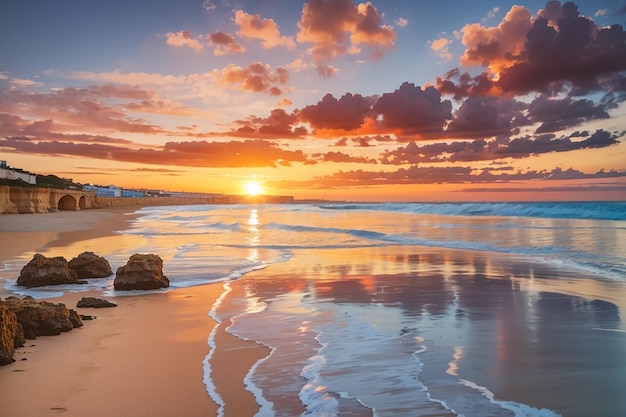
{"points": [[45, 200]]}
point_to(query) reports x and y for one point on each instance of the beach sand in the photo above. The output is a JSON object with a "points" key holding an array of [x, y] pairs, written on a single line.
{"points": [[143, 358]]}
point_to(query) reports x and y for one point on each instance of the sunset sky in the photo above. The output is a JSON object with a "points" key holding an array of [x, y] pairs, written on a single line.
{"points": [[395, 100]]}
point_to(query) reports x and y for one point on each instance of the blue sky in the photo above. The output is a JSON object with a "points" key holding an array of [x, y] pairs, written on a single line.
{"points": [[158, 94]]}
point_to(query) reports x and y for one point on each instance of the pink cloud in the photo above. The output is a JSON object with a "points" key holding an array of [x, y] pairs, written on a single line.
{"points": [[338, 28], [224, 44], [185, 38], [257, 77], [266, 30]]}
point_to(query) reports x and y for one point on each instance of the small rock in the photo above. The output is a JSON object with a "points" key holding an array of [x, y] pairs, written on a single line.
{"points": [[93, 302]]}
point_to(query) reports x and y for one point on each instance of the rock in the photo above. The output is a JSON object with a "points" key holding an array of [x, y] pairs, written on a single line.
{"points": [[94, 303], [141, 272], [11, 334], [42, 318], [46, 271], [90, 265]]}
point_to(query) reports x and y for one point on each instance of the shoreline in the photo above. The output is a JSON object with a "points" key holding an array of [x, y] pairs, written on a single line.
{"points": [[144, 357]]}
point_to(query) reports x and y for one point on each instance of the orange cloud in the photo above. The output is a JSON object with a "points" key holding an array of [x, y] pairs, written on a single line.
{"points": [[257, 77], [338, 28], [185, 38], [499, 46], [266, 30]]}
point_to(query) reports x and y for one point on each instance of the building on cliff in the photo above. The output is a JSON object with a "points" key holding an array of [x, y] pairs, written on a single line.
{"points": [[10, 173]]}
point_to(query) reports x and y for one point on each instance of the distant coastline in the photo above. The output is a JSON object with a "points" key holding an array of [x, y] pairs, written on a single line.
{"points": [[28, 200]]}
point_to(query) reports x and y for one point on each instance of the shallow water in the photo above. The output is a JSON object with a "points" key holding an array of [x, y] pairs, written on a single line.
{"points": [[402, 310]]}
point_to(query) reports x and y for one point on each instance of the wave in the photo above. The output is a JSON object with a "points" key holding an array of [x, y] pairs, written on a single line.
{"points": [[611, 210]]}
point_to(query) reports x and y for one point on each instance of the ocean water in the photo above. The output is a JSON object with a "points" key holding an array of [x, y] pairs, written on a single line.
{"points": [[475, 309]]}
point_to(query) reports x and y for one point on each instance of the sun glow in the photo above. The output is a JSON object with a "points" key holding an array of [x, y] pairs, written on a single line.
{"points": [[253, 188]]}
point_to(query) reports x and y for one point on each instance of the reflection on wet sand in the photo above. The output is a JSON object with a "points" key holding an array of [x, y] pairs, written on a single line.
{"points": [[478, 316]]}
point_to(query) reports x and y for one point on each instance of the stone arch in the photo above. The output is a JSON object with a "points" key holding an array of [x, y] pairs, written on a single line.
{"points": [[82, 202], [67, 202]]}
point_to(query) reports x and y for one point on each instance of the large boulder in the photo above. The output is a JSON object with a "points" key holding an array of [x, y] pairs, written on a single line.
{"points": [[42, 318], [90, 265], [11, 334], [141, 272], [42, 271]]}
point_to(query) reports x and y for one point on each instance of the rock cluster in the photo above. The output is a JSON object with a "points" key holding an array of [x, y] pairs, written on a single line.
{"points": [[42, 271], [142, 272], [26, 318]]}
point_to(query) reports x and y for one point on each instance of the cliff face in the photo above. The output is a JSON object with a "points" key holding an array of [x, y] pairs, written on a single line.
{"points": [[42, 200], [6, 205]]}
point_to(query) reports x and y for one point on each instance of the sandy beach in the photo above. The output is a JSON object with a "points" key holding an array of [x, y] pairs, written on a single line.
{"points": [[142, 358]]}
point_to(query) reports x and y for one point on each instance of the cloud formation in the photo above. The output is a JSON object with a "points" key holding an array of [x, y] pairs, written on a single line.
{"points": [[347, 113], [558, 47], [336, 28], [256, 77], [266, 30], [224, 44], [232, 154], [411, 110]]}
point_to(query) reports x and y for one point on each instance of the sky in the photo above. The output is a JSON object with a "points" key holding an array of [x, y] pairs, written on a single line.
{"points": [[395, 100]]}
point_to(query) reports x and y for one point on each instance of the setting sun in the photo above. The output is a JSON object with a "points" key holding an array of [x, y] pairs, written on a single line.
{"points": [[253, 188]]}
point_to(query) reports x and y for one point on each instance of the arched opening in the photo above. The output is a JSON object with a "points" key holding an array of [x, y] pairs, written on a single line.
{"points": [[67, 202], [82, 202]]}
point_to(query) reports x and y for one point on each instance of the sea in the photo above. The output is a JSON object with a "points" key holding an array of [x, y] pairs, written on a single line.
{"points": [[404, 309]]}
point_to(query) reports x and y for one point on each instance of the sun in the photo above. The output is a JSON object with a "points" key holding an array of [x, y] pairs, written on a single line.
{"points": [[253, 188]]}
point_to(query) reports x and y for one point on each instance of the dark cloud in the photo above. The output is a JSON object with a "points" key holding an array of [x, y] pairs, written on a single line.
{"points": [[279, 125], [501, 147], [559, 114], [411, 110], [347, 113], [487, 116], [561, 48], [248, 153], [441, 175], [577, 51], [547, 143]]}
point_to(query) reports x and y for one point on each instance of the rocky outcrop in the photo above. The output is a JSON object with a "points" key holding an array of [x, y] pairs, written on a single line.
{"points": [[90, 265], [42, 318], [42, 271], [11, 334], [6, 205], [141, 272], [92, 302]]}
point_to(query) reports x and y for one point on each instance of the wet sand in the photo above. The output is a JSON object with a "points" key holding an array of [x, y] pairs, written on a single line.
{"points": [[142, 358]]}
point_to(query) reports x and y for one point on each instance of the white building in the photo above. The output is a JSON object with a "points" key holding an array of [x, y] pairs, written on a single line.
{"points": [[9, 173], [110, 191]]}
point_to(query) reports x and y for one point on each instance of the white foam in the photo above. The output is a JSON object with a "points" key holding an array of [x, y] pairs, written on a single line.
{"points": [[206, 364], [314, 395], [519, 410]]}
